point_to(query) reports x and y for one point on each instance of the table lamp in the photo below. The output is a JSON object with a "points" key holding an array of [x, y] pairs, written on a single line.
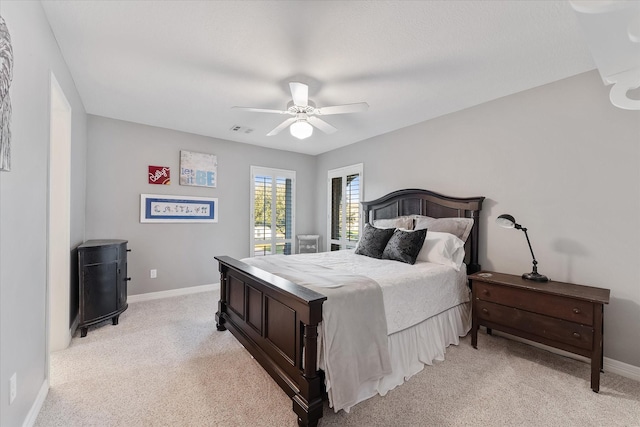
{"points": [[508, 221]]}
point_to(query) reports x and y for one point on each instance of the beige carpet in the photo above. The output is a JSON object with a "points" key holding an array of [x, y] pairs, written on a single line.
{"points": [[166, 365]]}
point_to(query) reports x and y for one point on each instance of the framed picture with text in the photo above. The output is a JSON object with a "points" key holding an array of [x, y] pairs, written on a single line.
{"points": [[162, 208]]}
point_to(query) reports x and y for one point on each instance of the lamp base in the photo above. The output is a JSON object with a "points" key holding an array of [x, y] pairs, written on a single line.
{"points": [[535, 277]]}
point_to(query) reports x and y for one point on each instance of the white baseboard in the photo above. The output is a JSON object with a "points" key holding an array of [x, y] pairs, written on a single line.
{"points": [[172, 293], [610, 365], [30, 420], [622, 369]]}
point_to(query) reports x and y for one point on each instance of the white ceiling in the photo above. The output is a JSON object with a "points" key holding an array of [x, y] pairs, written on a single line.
{"points": [[183, 64]]}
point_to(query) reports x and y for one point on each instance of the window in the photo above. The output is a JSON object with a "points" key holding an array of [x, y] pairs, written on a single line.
{"points": [[272, 211], [345, 194]]}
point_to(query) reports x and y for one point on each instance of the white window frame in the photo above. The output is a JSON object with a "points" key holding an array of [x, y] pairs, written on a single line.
{"points": [[274, 173], [343, 172]]}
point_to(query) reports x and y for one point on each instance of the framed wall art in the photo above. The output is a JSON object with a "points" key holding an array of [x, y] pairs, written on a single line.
{"points": [[162, 208], [6, 75], [198, 169]]}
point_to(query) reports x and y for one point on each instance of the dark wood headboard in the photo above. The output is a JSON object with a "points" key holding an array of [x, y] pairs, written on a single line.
{"points": [[424, 202]]}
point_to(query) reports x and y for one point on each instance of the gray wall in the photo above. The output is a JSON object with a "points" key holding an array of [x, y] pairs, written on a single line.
{"points": [[117, 159], [23, 204], [560, 158]]}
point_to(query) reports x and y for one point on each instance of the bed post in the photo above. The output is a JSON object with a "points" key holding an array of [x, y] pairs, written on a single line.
{"points": [[309, 408], [221, 302], [474, 266]]}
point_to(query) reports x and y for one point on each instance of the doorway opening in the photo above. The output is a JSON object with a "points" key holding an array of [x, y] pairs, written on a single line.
{"points": [[59, 224]]}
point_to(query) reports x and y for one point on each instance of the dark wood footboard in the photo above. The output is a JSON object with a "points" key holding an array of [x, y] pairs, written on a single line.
{"points": [[275, 320]]}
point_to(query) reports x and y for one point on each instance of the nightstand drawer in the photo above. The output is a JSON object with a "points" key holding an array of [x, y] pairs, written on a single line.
{"points": [[537, 324], [565, 308]]}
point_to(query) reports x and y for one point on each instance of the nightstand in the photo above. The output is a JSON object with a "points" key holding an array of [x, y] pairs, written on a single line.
{"points": [[308, 243], [557, 314]]}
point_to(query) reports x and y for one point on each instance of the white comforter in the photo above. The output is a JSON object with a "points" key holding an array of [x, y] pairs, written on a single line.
{"points": [[410, 294]]}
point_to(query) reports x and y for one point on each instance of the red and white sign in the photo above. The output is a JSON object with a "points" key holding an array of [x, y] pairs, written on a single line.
{"points": [[159, 175]]}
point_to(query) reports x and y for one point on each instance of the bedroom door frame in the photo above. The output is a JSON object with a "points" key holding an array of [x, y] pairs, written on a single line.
{"points": [[58, 330], [343, 172]]}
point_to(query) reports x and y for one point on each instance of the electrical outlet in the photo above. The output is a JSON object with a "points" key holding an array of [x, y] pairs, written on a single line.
{"points": [[13, 388], [153, 273]]}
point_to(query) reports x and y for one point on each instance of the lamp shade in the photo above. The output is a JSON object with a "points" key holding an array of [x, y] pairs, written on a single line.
{"points": [[301, 129], [506, 221]]}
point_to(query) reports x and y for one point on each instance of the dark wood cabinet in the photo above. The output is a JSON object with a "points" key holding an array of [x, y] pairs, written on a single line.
{"points": [[102, 268], [557, 314]]}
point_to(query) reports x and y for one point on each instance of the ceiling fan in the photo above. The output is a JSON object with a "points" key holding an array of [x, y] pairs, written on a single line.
{"points": [[305, 113]]}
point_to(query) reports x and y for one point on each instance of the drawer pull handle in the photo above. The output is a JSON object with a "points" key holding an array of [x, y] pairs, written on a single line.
{"points": [[576, 311], [576, 335], [485, 292], [484, 310]]}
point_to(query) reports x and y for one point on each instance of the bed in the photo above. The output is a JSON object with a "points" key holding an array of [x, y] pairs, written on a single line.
{"points": [[279, 321]]}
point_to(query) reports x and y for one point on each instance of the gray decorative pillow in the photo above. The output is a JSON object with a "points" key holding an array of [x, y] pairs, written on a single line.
{"points": [[373, 241], [404, 246]]}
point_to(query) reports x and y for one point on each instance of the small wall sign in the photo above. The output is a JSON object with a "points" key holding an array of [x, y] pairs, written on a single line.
{"points": [[159, 175], [199, 169]]}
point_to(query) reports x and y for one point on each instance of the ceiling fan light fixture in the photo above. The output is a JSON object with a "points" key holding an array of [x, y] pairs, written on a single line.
{"points": [[301, 129], [305, 113]]}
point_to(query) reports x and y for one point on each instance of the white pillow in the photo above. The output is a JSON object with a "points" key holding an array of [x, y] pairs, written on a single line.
{"points": [[404, 222], [442, 248], [459, 227]]}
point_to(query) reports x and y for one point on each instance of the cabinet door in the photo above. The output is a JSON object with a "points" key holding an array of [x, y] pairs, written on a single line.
{"points": [[98, 290]]}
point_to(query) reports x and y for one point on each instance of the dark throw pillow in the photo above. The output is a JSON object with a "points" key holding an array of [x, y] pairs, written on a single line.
{"points": [[373, 241], [404, 246]]}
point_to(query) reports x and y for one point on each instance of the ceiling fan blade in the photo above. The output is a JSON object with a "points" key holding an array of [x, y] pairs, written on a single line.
{"points": [[300, 93], [342, 109], [282, 126], [260, 110], [322, 125]]}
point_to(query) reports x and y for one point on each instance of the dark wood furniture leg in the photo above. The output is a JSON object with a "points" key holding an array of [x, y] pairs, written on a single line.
{"points": [[309, 414], [474, 330], [221, 304], [602, 337], [597, 356]]}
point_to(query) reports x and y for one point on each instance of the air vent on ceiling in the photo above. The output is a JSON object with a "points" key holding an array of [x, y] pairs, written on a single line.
{"points": [[241, 129]]}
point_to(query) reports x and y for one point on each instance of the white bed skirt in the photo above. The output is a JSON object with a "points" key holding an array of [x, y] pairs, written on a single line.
{"points": [[413, 348]]}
